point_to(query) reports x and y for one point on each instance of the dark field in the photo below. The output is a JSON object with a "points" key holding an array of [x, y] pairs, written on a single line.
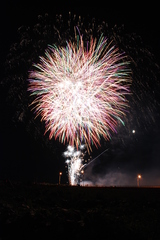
{"points": [[63, 212]]}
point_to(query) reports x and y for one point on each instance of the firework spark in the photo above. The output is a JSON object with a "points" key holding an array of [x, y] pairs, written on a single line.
{"points": [[80, 91], [74, 162]]}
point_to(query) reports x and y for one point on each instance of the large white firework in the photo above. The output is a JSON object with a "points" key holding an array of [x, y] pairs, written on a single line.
{"points": [[80, 90]]}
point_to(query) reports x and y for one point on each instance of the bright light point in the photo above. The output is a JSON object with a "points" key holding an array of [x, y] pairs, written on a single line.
{"points": [[65, 153], [138, 179], [76, 154], [82, 147], [67, 161], [70, 148], [70, 153], [133, 131]]}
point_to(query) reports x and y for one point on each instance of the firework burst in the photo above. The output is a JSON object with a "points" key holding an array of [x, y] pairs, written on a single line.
{"points": [[75, 60], [74, 161], [80, 90]]}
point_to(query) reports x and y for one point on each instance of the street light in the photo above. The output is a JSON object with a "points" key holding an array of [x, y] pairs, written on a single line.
{"points": [[138, 179], [82, 172], [60, 174]]}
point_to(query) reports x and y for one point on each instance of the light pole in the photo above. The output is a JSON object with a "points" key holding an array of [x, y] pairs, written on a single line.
{"points": [[60, 174], [138, 179], [82, 171]]}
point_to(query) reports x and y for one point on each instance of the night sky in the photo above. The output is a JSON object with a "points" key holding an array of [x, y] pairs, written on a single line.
{"points": [[26, 154]]}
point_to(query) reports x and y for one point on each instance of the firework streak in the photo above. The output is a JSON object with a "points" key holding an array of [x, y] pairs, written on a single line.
{"points": [[80, 90]]}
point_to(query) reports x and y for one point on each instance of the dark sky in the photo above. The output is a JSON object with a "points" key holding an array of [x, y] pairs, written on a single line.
{"points": [[24, 157]]}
